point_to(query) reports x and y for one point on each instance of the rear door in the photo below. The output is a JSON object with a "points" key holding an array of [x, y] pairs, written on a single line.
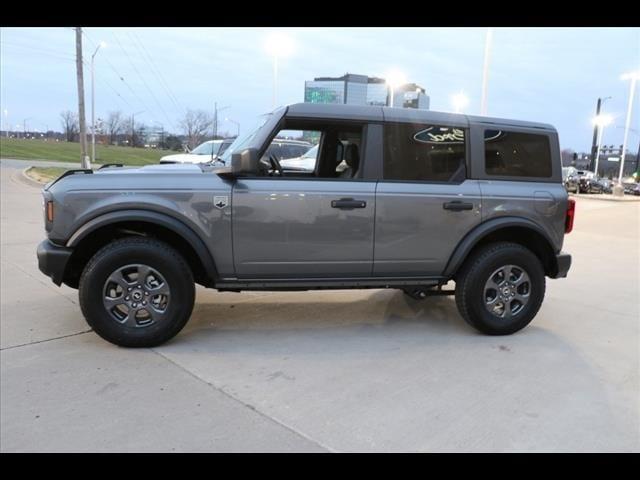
{"points": [[425, 204]]}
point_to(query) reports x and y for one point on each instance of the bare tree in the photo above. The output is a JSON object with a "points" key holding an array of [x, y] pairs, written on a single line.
{"points": [[195, 124], [114, 125], [70, 125]]}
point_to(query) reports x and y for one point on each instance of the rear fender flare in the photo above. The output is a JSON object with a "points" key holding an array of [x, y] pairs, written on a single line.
{"points": [[467, 244]]}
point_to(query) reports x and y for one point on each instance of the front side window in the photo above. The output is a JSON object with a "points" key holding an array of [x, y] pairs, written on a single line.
{"points": [[336, 156], [255, 137], [517, 154], [429, 153]]}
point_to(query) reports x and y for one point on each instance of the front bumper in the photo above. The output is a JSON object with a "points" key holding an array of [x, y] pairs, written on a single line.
{"points": [[52, 260], [563, 263]]}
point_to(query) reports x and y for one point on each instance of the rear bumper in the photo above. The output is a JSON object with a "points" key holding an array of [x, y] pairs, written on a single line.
{"points": [[52, 260], [563, 264]]}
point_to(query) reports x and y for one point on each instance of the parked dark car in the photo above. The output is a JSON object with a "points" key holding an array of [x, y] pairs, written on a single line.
{"points": [[636, 191], [607, 185], [630, 188], [588, 182]]}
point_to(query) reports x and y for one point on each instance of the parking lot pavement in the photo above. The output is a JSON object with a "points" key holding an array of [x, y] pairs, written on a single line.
{"points": [[367, 370]]}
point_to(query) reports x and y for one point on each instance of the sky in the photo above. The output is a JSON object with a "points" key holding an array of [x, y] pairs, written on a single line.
{"points": [[550, 75]]}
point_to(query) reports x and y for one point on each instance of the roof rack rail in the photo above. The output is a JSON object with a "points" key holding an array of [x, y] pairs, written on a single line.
{"points": [[107, 165]]}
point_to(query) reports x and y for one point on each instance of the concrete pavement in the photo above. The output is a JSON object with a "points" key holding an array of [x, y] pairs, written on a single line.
{"points": [[366, 370]]}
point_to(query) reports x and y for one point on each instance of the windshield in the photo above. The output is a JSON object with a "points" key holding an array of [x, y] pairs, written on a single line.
{"points": [[256, 136], [311, 153], [207, 148]]}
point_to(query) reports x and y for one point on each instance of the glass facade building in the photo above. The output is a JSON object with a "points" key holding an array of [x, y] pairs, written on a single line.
{"points": [[349, 89], [410, 95], [354, 89]]}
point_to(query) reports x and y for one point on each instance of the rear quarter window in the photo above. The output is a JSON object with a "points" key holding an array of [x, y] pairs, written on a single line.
{"points": [[517, 154]]}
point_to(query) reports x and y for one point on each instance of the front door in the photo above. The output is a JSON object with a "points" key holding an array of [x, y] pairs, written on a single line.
{"points": [[290, 227]]}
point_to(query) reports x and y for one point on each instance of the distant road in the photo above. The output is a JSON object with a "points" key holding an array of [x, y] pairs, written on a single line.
{"points": [[21, 164]]}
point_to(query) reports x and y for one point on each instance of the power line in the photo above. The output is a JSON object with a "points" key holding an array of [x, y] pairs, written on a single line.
{"points": [[60, 55], [158, 73], [121, 77], [143, 81]]}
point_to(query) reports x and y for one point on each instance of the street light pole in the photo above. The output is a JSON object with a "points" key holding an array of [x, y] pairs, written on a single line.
{"points": [[215, 117], [395, 79], [237, 124], [485, 71], [601, 121], [277, 45], [634, 77], [93, 105], [275, 81], [594, 144]]}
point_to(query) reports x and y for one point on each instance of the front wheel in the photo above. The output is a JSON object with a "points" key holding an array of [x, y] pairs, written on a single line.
{"points": [[137, 292], [500, 288]]}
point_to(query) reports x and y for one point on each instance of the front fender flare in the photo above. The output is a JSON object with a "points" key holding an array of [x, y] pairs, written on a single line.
{"points": [[157, 218]]}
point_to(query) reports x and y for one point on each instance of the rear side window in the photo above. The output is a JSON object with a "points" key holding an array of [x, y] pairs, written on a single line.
{"points": [[429, 153], [516, 154]]}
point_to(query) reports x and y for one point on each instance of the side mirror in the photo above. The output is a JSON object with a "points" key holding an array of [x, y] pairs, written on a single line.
{"points": [[244, 162]]}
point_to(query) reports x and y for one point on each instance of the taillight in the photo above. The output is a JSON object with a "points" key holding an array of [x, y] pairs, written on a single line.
{"points": [[570, 216]]}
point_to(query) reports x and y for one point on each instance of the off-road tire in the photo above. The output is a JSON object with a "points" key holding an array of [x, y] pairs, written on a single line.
{"points": [[137, 250], [475, 272]]}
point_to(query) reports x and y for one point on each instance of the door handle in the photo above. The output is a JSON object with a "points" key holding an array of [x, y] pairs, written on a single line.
{"points": [[457, 206], [348, 203]]}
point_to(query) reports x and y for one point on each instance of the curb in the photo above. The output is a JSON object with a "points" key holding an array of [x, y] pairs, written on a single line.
{"points": [[24, 178], [627, 198]]}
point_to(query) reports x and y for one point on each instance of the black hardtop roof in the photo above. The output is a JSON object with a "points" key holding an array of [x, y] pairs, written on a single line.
{"points": [[378, 113]]}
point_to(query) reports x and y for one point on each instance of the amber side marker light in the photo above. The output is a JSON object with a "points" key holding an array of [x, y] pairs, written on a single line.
{"points": [[50, 211], [570, 216]]}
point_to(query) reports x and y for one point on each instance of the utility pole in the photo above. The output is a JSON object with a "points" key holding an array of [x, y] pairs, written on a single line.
{"points": [[133, 131], [83, 128]]}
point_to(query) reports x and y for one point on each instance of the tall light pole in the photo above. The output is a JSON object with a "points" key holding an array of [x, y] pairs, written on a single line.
{"points": [[215, 117], [633, 76], [278, 45], [460, 100], [394, 79], [600, 121], [93, 104], [237, 124], [485, 71], [594, 143], [24, 126]]}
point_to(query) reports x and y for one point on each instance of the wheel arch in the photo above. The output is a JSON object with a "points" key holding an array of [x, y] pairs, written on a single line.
{"points": [[101, 230], [518, 230]]}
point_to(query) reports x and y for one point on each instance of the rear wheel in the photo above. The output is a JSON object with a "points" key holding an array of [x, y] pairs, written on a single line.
{"points": [[137, 292], [500, 288]]}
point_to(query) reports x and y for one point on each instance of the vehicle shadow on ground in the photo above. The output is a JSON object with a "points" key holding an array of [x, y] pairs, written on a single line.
{"points": [[324, 310]]}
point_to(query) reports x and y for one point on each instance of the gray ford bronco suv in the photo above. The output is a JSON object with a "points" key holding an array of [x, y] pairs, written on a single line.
{"points": [[388, 198]]}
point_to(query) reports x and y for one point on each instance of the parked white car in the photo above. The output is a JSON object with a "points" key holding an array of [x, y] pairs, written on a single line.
{"points": [[306, 162], [203, 153]]}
